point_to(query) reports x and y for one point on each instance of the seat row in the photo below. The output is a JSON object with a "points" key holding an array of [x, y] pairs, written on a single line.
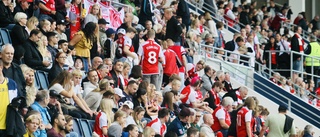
{"points": [[83, 127]]}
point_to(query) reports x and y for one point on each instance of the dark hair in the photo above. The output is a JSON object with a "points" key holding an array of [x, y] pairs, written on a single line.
{"points": [[141, 92], [129, 127], [219, 25], [34, 32], [295, 29], [88, 31], [239, 39], [57, 56], [217, 84], [50, 34], [131, 82], [54, 117], [171, 134], [131, 29], [192, 130], [92, 70], [207, 68], [136, 72], [167, 100], [163, 112], [62, 41]]}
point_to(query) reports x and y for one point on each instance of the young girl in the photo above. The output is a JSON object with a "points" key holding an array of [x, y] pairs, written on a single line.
{"points": [[104, 117], [75, 18]]}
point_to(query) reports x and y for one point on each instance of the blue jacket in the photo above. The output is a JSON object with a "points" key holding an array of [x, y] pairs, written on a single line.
{"points": [[43, 111], [178, 127]]}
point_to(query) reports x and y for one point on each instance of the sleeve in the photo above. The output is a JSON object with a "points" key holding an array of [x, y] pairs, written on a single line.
{"points": [[103, 122], [220, 114], [248, 116], [206, 83], [178, 28], [44, 1], [156, 128], [91, 101], [183, 51], [127, 42], [140, 51], [29, 59], [57, 87], [231, 15], [18, 32], [192, 96], [307, 50]]}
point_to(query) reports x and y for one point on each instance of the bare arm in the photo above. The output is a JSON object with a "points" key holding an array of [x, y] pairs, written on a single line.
{"points": [[75, 40], [248, 128], [223, 124], [127, 52]]}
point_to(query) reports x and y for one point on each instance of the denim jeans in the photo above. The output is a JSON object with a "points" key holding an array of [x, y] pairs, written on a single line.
{"points": [[85, 64], [297, 65]]}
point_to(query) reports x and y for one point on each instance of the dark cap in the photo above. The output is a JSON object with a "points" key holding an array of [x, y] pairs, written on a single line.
{"points": [[54, 94], [19, 102], [102, 21], [110, 31], [61, 22], [283, 106], [62, 41], [185, 112]]}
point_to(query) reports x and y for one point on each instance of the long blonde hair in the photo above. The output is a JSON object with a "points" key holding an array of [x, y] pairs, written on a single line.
{"points": [[104, 85], [43, 48], [99, 13], [31, 90], [106, 106], [31, 23]]}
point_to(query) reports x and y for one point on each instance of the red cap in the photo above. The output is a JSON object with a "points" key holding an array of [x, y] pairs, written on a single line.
{"points": [[194, 80]]}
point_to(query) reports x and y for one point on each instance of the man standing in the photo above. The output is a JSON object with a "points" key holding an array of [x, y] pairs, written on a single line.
{"points": [[174, 29], [279, 124], [60, 30], [150, 54], [12, 70], [206, 126], [221, 116], [313, 49], [297, 45], [9, 91], [59, 124]]}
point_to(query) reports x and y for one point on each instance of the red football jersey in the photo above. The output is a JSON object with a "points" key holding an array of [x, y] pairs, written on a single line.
{"points": [[157, 126], [191, 95], [122, 42], [220, 113], [100, 122], [150, 52], [244, 115], [50, 4], [170, 67], [191, 69], [74, 28], [180, 51]]}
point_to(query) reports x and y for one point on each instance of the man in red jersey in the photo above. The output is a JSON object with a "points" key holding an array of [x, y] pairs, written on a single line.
{"points": [[221, 116], [159, 124], [125, 47], [170, 66], [150, 53], [193, 70], [244, 117], [181, 53]]}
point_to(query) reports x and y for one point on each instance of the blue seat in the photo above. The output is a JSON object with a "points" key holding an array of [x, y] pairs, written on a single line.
{"points": [[91, 123], [5, 36], [77, 127], [86, 128], [43, 79]]}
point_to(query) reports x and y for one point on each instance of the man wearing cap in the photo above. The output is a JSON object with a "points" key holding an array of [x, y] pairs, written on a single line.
{"points": [[108, 48], [179, 124], [102, 28], [280, 124], [60, 30], [127, 107], [23, 6], [54, 105], [117, 96]]}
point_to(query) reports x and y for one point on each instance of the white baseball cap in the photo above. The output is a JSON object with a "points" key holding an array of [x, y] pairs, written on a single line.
{"points": [[118, 91], [121, 31], [129, 104]]}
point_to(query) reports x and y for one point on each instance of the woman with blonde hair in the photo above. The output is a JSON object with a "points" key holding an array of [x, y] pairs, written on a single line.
{"points": [[125, 72], [118, 124], [42, 47], [244, 117], [31, 90], [211, 24], [32, 24], [94, 98], [149, 132], [138, 115], [94, 14], [32, 123], [104, 118]]}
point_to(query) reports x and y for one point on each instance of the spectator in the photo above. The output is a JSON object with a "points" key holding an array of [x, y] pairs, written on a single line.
{"points": [[116, 74], [273, 8], [229, 15], [57, 67], [137, 118], [75, 17], [102, 29], [42, 47], [6, 16], [297, 45], [308, 131], [130, 90], [211, 25], [148, 132], [59, 124], [173, 29], [68, 130], [206, 78], [279, 18], [146, 11], [238, 95], [269, 50], [125, 73], [63, 47], [11, 92], [192, 132], [53, 25], [284, 56], [18, 33], [315, 22], [91, 84], [214, 100], [108, 48], [54, 106], [244, 16], [233, 44], [279, 124], [82, 42], [94, 15], [150, 54], [96, 61], [104, 118], [12, 70], [221, 115], [169, 68], [178, 124], [219, 42], [245, 113], [206, 125], [32, 124], [40, 104], [132, 130], [94, 97], [31, 89], [312, 64], [184, 12], [116, 127], [159, 124], [60, 30], [32, 24], [52, 42]]}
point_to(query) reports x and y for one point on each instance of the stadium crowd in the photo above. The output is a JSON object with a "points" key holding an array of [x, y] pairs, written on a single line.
{"points": [[140, 79]]}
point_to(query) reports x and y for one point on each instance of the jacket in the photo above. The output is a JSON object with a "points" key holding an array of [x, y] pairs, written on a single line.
{"points": [[54, 72], [6, 17], [173, 30], [146, 12], [32, 56], [18, 78], [14, 124], [18, 35], [184, 12]]}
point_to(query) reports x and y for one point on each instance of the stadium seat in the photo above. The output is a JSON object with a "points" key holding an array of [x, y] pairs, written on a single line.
{"points": [[77, 127], [91, 123], [87, 132], [43, 79], [5, 36]]}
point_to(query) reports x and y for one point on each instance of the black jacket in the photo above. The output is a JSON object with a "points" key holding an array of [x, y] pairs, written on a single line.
{"points": [[32, 56], [244, 18], [115, 78], [230, 46], [145, 12], [6, 17], [18, 35], [18, 77], [54, 72], [266, 54], [14, 124], [184, 12], [173, 30], [295, 47]]}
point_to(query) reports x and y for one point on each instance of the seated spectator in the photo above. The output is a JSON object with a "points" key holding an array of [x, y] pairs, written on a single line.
{"points": [[130, 90], [45, 26], [63, 47], [94, 15], [238, 95], [104, 118], [177, 125], [69, 126], [58, 65], [52, 41], [32, 24], [6, 16], [54, 105], [64, 86], [169, 102], [206, 125], [78, 65], [96, 61], [174, 83], [116, 127], [91, 84], [159, 124], [141, 99], [137, 118], [32, 56], [42, 47], [60, 30], [214, 99], [192, 132], [59, 124], [94, 97], [206, 78], [275, 78], [40, 104], [148, 131], [31, 89], [118, 94], [32, 123], [132, 131]]}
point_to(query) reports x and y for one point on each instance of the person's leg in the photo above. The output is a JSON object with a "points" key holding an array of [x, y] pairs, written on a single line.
{"points": [[3, 133], [146, 78], [181, 75], [154, 80], [165, 80], [85, 64]]}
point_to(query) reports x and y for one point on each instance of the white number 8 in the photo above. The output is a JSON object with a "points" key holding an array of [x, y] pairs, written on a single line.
{"points": [[152, 57]]}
